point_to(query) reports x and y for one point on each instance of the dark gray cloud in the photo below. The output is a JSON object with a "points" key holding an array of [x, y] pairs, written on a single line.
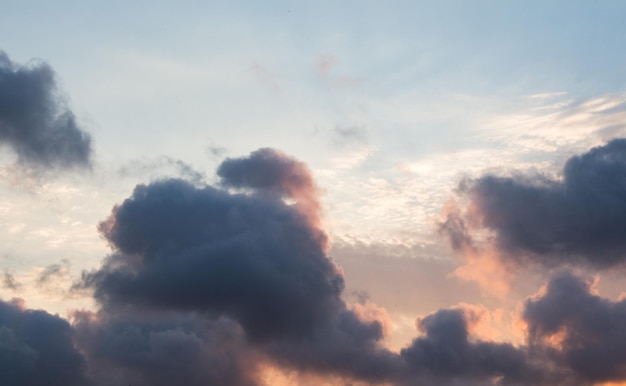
{"points": [[35, 121], [274, 173], [253, 258], [164, 350], [445, 354], [260, 261], [582, 331], [344, 345], [188, 248], [580, 218], [197, 270], [36, 349]]}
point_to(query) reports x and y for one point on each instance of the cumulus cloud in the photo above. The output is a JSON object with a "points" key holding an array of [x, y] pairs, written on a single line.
{"points": [[182, 247], [254, 257], [36, 122], [577, 218], [210, 285], [271, 171], [445, 354], [163, 350], [582, 331], [36, 348]]}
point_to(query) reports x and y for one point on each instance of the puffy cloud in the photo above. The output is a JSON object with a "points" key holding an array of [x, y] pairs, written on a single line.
{"points": [[188, 248], [271, 171], [254, 258], [35, 121], [445, 354], [580, 329], [206, 286], [163, 350], [579, 218], [36, 348]]}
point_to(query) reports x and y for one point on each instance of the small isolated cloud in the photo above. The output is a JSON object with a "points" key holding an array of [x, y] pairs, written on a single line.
{"points": [[347, 135], [216, 151], [271, 171], [35, 121], [9, 281], [53, 272], [578, 218]]}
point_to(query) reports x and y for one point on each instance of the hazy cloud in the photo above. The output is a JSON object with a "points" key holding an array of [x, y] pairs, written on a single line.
{"points": [[9, 281], [52, 271], [346, 135], [161, 167]]}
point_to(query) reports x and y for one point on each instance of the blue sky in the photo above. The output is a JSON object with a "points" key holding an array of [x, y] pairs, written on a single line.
{"points": [[390, 104]]}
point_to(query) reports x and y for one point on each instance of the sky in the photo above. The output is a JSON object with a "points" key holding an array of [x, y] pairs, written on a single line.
{"points": [[305, 193]]}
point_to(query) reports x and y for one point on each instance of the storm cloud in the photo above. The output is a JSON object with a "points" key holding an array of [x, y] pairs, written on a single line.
{"points": [[35, 121], [36, 348], [579, 218]]}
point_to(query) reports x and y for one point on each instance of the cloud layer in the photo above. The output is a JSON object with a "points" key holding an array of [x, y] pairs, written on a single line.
{"points": [[213, 285]]}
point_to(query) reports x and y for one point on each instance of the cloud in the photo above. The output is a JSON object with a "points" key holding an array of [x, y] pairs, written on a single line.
{"points": [[9, 282], [36, 348], [205, 249], [347, 135], [160, 167], [578, 218], [209, 285], [163, 350], [52, 271], [35, 121], [271, 171], [583, 331], [445, 354], [253, 258]]}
